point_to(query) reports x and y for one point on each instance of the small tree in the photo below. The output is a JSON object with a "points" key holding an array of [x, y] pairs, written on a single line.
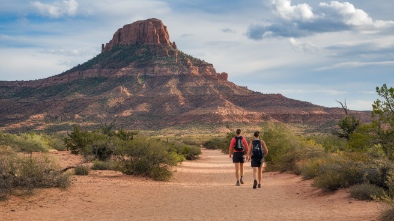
{"points": [[77, 140], [348, 124], [383, 111]]}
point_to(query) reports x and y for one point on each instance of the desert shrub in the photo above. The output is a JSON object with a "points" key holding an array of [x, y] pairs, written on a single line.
{"points": [[331, 181], [145, 157], [25, 142], [280, 142], [339, 173], [287, 152], [131, 155], [376, 151], [55, 141], [81, 170], [27, 172], [92, 145], [388, 198], [330, 142], [387, 215], [343, 170], [193, 140], [102, 165], [7, 160], [126, 135], [77, 141], [366, 191], [312, 168], [37, 172], [188, 152], [379, 173], [101, 148], [214, 143]]}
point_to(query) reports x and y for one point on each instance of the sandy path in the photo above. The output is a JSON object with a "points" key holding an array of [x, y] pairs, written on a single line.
{"points": [[200, 190]]}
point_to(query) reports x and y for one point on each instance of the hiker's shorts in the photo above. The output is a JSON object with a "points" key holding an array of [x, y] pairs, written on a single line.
{"points": [[257, 162], [238, 157]]}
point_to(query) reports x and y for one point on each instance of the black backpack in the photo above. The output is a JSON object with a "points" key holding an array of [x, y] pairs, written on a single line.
{"points": [[238, 144], [257, 152]]}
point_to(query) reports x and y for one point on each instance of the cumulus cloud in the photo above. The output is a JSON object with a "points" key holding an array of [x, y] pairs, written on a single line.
{"points": [[285, 10], [301, 20], [304, 46], [57, 9]]}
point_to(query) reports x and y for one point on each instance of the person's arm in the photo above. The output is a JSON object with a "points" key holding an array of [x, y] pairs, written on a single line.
{"points": [[230, 148], [264, 147], [249, 149], [245, 143]]}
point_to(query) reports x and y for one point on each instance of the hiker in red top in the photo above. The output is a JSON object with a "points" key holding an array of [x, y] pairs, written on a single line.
{"points": [[238, 147]]}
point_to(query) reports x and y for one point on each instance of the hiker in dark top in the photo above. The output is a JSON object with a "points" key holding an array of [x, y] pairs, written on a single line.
{"points": [[239, 145], [257, 151]]}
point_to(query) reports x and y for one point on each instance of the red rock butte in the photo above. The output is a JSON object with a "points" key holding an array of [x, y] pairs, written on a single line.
{"points": [[143, 81], [150, 31]]}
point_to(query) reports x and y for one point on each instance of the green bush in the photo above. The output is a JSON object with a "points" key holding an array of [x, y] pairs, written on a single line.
{"points": [[339, 173], [56, 141], [366, 191], [26, 142], [102, 165], [78, 140], [286, 151], [28, 172], [92, 145], [130, 154], [330, 142], [214, 143], [188, 152], [280, 142], [145, 157], [388, 215], [81, 170], [312, 168], [101, 149]]}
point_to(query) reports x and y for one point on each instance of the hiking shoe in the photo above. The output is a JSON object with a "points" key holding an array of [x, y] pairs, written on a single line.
{"points": [[237, 184], [242, 182], [259, 186], [254, 184]]}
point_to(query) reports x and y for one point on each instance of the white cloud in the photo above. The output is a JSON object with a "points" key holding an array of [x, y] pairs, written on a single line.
{"points": [[304, 46], [57, 9], [301, 20], [346, 13], [355, 64], [285, 10]]}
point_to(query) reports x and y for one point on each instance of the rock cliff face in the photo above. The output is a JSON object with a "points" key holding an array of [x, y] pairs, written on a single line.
{"points": [[151, 31], [143, 81]]}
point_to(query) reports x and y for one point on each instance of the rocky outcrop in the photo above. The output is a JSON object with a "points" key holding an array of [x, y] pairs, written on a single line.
{"points": [[150, 31]]}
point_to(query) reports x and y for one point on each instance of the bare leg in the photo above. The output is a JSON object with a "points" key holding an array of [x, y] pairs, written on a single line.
{"points": [[259, 173], [241, 166], [237, 165], [254, 173]]}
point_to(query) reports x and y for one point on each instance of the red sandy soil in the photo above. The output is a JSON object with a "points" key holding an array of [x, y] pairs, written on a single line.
{"points": [[200, 190]]}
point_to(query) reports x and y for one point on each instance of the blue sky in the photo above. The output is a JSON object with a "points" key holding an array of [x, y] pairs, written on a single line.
{"points": [[315, 51]]}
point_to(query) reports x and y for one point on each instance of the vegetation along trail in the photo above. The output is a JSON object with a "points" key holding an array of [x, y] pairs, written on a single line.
{"points": [[200, 190]]}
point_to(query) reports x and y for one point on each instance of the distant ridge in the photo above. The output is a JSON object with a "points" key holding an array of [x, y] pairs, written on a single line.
{"points": [[143, 81]]}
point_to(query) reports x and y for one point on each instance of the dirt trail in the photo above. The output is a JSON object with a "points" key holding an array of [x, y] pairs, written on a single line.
{"points": [[200, 190]]}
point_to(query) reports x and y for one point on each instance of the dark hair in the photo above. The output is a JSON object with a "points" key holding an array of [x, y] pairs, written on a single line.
{"points": [[238, 131], [256, 134]]}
